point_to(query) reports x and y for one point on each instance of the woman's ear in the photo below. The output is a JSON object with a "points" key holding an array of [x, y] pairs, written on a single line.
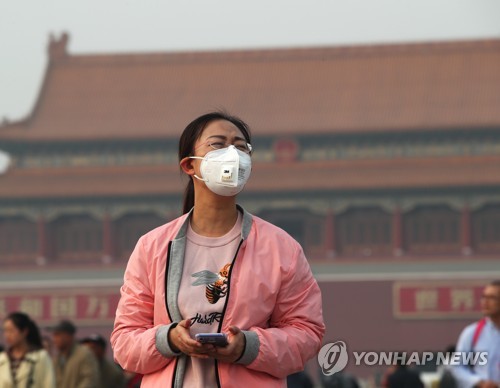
{"points": [[187, 165]]}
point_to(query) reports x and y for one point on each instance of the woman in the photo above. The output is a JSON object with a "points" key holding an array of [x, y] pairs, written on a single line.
{"points": [[25, 363], [217, 269]]}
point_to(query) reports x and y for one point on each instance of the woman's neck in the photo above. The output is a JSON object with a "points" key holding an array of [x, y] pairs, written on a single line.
{"points": [[18, 351], [214, 219]]}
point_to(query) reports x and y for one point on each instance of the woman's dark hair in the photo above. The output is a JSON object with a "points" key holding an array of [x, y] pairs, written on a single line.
{"points": [[192, 133], [23, 322], [495, 283]]}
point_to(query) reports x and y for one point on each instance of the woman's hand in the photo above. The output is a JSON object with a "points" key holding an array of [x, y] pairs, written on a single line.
{"points": [[234, 349], [180, 340]]}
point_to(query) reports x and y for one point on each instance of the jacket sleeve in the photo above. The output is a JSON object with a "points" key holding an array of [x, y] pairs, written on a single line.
{"points": [[296, 326], [134, 335]]}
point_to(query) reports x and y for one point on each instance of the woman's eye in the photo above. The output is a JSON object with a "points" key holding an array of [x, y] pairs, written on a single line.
{"points": [[217, 144]]}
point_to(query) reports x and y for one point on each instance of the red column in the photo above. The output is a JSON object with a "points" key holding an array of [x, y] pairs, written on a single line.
{"points": [[397, 232], [466, 231], [43, 243], [330, 248], [107, 238]]}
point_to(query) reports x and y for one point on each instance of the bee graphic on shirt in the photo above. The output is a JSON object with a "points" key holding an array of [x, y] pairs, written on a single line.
{"points": [[216, 284]]}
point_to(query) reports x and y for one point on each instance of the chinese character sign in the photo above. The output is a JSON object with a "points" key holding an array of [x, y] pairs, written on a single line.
{"points": [[446, 299], [87, 306]]}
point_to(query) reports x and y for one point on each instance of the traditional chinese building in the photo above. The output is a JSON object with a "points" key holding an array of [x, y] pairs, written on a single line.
{"points": [[383, 161]]}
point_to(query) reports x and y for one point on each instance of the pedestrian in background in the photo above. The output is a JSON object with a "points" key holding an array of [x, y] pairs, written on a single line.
{"points": [[404, 377], [48, 345], [299, 379], [445, 370], [340, 379], [482, 336], [111, 374], [75, 365], [132, 379], [25, 363]]}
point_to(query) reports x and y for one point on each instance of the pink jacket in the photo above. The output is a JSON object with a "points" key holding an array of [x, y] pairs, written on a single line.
{"points": [[272, 297]]}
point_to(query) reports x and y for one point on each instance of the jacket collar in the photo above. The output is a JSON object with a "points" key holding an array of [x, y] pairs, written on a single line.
{"points": [[245, 229]]}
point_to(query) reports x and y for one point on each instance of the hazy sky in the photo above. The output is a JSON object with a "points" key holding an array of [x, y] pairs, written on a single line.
{"points": [[97, 26]]}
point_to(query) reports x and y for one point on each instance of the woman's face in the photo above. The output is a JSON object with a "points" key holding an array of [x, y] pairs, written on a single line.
{"points": [[12, 335]]}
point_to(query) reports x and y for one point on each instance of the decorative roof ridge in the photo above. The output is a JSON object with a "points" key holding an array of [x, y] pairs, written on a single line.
{"points": [[58, 47], [58, 52]]}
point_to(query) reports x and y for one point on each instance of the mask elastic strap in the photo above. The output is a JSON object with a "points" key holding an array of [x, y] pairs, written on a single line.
{"points": [[196, 176], [200, 179]]}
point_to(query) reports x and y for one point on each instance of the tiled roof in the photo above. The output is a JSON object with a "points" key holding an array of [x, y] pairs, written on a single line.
{"points": [[282, 91], [266, 177]]}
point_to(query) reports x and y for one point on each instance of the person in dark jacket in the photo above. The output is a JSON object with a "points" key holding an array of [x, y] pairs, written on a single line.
{"points": [[111, 374], [404, 377], [299, 380]]}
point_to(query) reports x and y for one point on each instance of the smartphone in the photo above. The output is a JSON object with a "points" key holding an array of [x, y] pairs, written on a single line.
{"points": [[217, 339]]}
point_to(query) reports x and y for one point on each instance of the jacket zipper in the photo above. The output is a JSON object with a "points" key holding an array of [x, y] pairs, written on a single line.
{"points": [[166, 279]]}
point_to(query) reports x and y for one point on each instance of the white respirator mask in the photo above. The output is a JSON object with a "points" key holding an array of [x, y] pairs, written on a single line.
{"points": [[225, 171]]}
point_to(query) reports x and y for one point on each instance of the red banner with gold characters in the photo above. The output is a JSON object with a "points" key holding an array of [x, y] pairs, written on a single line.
{"points": [[437, 299], [95, 306]]}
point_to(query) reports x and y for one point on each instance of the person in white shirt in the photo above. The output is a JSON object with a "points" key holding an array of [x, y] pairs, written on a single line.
{"points": [[482, 336]]}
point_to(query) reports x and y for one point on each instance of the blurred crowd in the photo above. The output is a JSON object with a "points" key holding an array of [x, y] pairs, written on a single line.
{"points": [[29, 359]]}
